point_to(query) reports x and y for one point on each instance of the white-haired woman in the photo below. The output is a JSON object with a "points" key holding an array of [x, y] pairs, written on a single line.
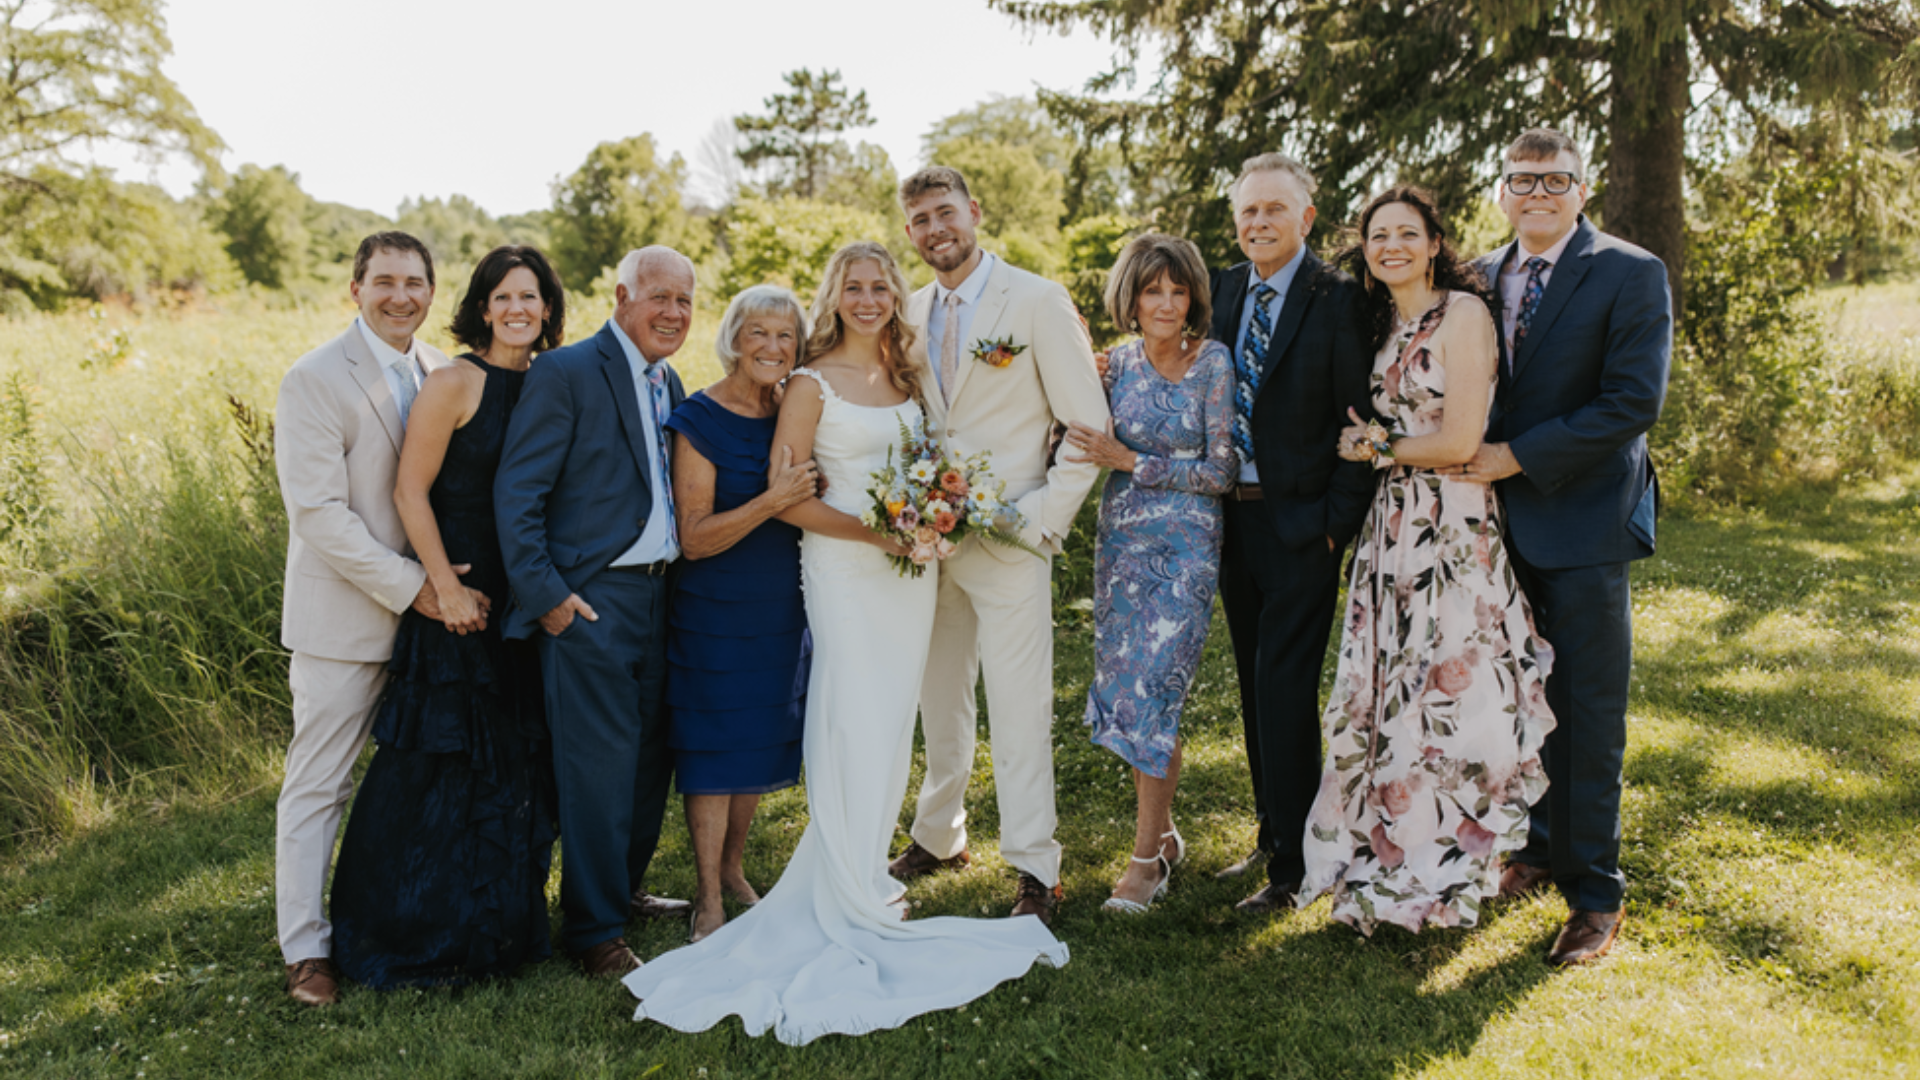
{"points": [[738, 648]]}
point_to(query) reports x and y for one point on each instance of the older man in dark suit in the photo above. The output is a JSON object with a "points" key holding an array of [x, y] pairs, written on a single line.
{"points": [[587, 530], [1300, 362], [1585, 353]]}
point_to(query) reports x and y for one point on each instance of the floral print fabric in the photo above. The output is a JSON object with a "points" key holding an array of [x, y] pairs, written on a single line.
{"points": [[1439, 707], [1157, 554]]}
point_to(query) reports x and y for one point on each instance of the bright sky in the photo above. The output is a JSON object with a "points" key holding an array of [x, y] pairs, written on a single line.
{"points": [[373, 101]]}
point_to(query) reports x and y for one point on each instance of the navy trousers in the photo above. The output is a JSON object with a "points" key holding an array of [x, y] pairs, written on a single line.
{"points": [[605, 692], [1279, 602], [1586, 614]]}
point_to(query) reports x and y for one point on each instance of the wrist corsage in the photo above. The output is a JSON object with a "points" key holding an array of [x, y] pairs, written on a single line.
{"points": [[1380, 442]]}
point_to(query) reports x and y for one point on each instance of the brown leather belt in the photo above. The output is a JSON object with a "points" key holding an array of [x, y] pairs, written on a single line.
{"points": [[1245, 493]]}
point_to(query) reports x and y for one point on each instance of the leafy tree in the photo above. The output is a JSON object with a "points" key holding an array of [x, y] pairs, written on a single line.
{"points": [[1369, 92], [263, 214], [799, 136], [455, 229], [83, 72], [787, 241], [87, 235], [622, 197], [1094, 180]]}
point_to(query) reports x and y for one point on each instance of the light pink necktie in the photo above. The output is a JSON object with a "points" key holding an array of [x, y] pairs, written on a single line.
{"points": [[950, 348]]}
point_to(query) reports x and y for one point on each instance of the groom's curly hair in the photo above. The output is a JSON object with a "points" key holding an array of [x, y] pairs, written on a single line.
{"points": [[896, 349]]}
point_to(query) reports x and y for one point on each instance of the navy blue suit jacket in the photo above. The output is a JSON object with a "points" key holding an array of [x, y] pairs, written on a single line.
{"points": [[1575, 402], [1317, 366], [572, 493]]}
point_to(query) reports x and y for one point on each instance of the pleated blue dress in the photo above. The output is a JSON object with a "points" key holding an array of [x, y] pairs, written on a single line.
{"points": [[737, 648]]}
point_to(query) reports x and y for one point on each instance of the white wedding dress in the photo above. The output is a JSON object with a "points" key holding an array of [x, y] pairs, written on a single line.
{"points": [[825, 952]]}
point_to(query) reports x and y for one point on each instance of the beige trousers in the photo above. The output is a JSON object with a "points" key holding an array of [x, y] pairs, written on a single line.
{"points": [[332, 712], [994, 617]]}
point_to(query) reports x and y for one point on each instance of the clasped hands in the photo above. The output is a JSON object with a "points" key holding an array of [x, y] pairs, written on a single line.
{"points": [[462, 610], [1364, 441]]}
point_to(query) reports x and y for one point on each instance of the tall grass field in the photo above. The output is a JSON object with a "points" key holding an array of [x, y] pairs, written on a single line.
{"points": [[1772, 808]]}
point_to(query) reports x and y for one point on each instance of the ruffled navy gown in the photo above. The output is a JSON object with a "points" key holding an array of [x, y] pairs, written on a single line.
{"points": [[738, 650], [443, 866]]}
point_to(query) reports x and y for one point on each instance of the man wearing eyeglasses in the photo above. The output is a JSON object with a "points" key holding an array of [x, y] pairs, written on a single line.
{"points": [[1587, 340]]}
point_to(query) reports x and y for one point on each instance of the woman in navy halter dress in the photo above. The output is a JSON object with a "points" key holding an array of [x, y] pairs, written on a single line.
{"points": [[443, 865], [737, 644]]}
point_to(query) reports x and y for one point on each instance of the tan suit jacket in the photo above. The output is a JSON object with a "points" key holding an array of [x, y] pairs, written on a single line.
{"points": [[337, 445], [1011, 410]]}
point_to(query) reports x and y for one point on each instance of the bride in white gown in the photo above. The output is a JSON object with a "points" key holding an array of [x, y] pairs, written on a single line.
{"points": [[827, 950]]}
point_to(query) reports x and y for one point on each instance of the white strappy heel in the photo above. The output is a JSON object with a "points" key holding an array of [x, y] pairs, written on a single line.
{"points": [[1131, 907], [1179, 847]]}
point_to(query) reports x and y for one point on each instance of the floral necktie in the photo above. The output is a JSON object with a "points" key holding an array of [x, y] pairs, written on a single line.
{"points": [[1529, 303]]}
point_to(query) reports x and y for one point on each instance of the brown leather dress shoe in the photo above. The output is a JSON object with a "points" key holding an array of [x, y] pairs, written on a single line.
{"points": [[313, 982], [645, 905], [1036, 899], [917, 860], [1518, 879], [1587, 936], [1255, 860], [610, 957], [1274, 899]]}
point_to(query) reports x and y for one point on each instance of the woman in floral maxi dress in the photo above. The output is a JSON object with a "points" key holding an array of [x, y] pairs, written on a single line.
{"points": [[1438, 710]]}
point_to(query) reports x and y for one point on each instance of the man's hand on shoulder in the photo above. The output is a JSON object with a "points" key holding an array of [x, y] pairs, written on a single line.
{"points": [[555, 622]]}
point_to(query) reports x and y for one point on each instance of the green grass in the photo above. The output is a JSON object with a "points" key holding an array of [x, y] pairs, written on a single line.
{"points": [[1773, 855], [1772, 815]]}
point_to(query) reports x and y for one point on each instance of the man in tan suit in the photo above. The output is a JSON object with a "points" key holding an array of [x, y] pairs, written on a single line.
{"points": [[996, 603], [338, 426]]}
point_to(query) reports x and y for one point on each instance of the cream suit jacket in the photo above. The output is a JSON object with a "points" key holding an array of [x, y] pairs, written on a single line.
{"points": [[1012, 410], [337, 445]]}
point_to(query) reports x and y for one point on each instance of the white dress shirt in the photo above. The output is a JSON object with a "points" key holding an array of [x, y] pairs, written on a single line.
{"points": [[1513, 282], [657, 541], [1281, 281], [385, 354], [969, 292]]}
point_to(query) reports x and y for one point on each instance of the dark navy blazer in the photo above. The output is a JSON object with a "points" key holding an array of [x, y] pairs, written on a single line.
{"points": [[572, 494], [1317, 365], [1575, 403]]}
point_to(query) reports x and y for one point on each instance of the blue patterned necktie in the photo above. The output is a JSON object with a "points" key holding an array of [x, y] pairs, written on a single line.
{"points": [[1529, 303], [1246, 370], [657, 395], [409, 389]]}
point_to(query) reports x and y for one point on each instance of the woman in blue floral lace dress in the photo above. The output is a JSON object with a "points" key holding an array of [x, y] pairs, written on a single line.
{"points": [[1157, 556]]}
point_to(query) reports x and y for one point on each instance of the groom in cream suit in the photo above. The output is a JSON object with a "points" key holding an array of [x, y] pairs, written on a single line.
{"points": [[338, 425], [995, 609]]}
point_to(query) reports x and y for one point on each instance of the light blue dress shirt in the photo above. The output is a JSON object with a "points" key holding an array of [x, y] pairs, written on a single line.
{"points": [[657, 541], [969, 291], [1281, 281]]}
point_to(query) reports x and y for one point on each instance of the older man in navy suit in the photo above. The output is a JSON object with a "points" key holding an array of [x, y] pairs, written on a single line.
{"points": [[587, 530], [1587, 343]]}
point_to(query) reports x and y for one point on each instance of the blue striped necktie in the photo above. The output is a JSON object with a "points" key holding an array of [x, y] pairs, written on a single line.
{"points": [[1247, 366], [657, 393]]}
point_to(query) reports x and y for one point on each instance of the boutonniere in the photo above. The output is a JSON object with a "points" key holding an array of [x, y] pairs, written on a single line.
{"points": [[998, 353]]}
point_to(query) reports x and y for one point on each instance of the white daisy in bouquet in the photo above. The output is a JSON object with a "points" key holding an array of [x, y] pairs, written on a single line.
{"points": [[930, 501]]}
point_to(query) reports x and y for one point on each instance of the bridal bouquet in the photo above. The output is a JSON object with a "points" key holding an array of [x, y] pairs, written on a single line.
{"points": [[930, 501]]}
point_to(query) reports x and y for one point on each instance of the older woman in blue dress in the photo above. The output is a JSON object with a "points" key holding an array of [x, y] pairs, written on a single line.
{"points": [[737, 649], [1157, 556]]}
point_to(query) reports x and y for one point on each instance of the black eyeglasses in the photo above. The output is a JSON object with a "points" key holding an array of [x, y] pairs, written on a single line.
{"points": [[1555, 183]]}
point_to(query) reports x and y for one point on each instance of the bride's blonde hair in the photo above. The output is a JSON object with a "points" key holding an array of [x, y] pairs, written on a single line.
{"points": [[897, 342]]}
